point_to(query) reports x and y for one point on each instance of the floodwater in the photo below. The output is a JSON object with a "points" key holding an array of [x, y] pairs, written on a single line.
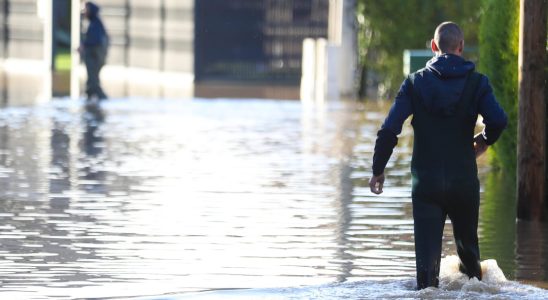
{"points": [[237, 199]]}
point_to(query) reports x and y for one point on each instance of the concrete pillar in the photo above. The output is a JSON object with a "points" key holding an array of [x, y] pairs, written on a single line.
{"points": [[314, 67], [342, 53], [74, 44], [45, 12], [335, 22], [308, 73]]}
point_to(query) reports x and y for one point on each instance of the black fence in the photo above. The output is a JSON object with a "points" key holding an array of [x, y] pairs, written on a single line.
{"points": [[236, 40], [259, 40]]}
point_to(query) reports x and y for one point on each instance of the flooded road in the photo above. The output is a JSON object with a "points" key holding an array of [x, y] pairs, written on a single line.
{"points": [[189, 198]]}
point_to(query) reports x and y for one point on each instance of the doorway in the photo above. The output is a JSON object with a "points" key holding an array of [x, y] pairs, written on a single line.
{"points": [[62, 52]]}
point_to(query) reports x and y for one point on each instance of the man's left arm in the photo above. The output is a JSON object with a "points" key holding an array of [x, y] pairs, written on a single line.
{"points": [[494, 117], [387, 137]]}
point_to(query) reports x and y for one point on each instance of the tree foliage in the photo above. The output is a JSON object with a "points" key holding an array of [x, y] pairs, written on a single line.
{"points": [[387, 28], [499, 38]]}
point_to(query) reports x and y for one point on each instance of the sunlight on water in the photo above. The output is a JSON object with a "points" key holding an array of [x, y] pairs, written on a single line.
{"points": [[157, 197], [453, 285]]}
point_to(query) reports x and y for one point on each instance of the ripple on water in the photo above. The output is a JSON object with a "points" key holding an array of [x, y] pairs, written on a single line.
{"points": [[182, 196], [453, 285]]}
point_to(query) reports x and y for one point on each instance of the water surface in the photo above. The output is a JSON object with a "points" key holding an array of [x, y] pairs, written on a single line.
{"points": [[189, 198]]}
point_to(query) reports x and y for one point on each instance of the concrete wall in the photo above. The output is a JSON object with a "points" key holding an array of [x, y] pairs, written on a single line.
{"points": [[151, 52], [26, 30], [25, 76]]}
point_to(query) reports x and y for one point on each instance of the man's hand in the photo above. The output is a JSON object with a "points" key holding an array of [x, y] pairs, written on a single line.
{"points": [[479, 145], [376, 183]]}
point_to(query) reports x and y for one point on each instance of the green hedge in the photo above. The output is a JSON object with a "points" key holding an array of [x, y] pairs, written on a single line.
{"points": [[499, 38], [387, 28]]}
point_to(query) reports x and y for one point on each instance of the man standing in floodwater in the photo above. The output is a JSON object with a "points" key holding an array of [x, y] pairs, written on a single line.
{"points": [[94, 50], [445, 98]]}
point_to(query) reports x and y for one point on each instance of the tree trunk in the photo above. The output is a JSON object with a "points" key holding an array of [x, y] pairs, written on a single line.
{"points": [[532, 110]]}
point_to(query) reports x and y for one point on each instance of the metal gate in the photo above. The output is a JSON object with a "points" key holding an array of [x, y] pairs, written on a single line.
{"points": [[255, 41]]}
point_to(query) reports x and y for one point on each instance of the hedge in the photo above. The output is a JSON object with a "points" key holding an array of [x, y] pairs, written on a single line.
{"points": [[499, 39]]}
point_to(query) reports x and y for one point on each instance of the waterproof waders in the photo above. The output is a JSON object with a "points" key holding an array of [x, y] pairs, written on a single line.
{"points": [[445, 182]]}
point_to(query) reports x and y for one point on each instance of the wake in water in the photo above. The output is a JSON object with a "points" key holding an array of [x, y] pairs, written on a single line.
{"points": [[453, 285]]}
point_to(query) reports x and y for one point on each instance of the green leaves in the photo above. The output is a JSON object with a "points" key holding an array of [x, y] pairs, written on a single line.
{"points": [[499, 38], [386, 28]]}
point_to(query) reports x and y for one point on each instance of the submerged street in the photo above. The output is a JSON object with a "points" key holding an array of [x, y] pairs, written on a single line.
{"points": [[167, 197]]}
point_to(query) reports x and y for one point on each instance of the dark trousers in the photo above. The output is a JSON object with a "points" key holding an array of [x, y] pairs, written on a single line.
{"points": [[430, 210], [94, 58]]}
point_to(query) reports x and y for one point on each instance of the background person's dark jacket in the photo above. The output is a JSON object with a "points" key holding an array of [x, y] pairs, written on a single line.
{"points": [[96, 34], [440, 85]]}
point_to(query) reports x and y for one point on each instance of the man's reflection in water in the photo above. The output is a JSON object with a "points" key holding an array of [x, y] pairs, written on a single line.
{"points": [[62, 159], [93, 115], [72, 169], [92, 146], [3, 89], [61, 164]]}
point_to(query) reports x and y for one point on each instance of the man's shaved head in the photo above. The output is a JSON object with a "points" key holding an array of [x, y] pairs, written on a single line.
{"points": [[448, 37]]}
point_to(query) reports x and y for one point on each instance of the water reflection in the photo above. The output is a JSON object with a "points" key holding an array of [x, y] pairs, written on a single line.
{"points": [[24, 82], [33, 86], [531, 249], [3, 89], [61, 167], [158, 197], [518, 246], [497, 227]]}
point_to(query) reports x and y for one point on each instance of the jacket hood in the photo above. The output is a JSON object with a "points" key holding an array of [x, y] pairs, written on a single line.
{"points": [[441, 82], [449, 66], [93, 9]]}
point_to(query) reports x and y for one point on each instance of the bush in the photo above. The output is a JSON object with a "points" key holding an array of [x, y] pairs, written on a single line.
{"points": [[499, 42], [387, 28]]}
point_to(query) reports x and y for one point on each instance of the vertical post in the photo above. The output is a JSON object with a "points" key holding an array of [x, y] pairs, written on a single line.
{"points": [[320, 80], [5, 40], [163, 16], [198, 36], [4, 28], [127, 45], [334, 68], [308, 73], [45, 12], [75, 23], [334, 23], [532, 110], [162, 69]]}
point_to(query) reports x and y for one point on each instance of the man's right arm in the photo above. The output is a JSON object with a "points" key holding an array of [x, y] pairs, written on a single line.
{"points": [[387, 137]]}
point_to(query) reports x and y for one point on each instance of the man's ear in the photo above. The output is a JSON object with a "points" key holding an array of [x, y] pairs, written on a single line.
{"points": [[461, 47], [434, 47]]}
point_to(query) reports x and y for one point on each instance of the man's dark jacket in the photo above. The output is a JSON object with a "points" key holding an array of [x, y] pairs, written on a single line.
{"points": [[440, 85]]}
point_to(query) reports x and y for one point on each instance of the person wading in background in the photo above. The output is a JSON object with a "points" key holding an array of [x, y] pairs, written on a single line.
{"points": [[94, 49], [445, 99]]}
